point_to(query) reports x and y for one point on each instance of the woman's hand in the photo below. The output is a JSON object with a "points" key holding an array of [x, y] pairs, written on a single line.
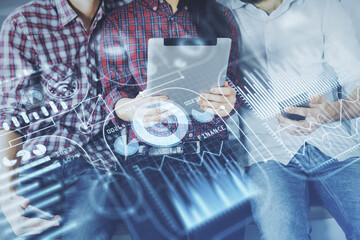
{"points": [[126, 108], [220, 100]]}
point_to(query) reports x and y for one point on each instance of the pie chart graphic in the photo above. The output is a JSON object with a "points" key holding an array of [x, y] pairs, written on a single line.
{"points": [[8, 163], [126, 149], [203, 117]]}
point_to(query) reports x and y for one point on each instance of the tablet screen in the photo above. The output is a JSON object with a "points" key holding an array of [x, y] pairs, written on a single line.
{"points": [[183, 68]]}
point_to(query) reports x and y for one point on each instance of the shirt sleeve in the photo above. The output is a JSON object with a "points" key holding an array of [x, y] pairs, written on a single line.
{"points": [[233, 71], [117, 80], [17, 68], [341, 47]]}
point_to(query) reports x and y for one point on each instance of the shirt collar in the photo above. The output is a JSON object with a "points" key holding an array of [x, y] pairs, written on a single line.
{"points": [[65, 12], [236, 4], [101, 12], [154, 4]]}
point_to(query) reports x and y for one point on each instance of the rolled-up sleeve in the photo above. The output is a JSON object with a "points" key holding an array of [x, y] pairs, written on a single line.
{"points": [[341, 47], [117, 80]]}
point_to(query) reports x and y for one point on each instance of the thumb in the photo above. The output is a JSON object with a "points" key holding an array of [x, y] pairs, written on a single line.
{"points": [[226, 83], [141, 94], [24, 202]]}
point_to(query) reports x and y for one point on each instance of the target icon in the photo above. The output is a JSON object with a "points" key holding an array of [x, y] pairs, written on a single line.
{"points": [[160, 135]]}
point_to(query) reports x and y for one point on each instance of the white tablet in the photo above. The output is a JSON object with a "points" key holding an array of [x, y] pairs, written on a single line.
{"points": [[183, 68]]}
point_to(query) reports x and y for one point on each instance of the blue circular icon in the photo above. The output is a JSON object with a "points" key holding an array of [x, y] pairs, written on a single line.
{"points": [[126, 149], [203, 117]]}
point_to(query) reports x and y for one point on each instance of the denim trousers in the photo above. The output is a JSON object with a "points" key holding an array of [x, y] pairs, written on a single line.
{"points": [[160, 179], [92, 203], [281, 205], [63, 189]]}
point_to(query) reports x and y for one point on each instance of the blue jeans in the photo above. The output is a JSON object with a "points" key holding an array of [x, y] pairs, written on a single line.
{"points": [[63, 189], [92, 203], [281, 207], [146, 197]]}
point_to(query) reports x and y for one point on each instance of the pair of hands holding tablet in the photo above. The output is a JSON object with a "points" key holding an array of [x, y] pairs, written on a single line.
{"points": [[219, 99], [222, 101]]}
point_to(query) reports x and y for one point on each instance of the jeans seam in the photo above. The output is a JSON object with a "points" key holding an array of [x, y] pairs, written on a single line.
{"points": [[336, 200], [307, 207]]}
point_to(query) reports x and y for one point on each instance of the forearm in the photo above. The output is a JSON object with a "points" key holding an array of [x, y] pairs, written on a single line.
{"points": [[7, 152], [346, 109], [351, 106]]}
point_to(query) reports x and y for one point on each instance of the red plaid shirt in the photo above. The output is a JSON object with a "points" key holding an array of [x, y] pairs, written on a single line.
{"points": [[49, 79], [124, 47]]}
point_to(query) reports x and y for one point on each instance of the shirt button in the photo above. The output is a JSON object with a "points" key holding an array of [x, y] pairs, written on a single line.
{"points": [[90, 65], [191, 135], [92, 92], [161, 1], [154, 8], [172, 19]]}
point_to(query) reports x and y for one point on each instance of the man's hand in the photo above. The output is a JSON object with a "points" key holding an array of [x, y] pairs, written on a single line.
{"points": [[320, 112], [13, 209], [126, 108], [220, 100], [12, 205]]}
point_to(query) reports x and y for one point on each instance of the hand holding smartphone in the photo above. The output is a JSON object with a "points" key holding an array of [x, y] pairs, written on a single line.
{"points": [[296, 117]]}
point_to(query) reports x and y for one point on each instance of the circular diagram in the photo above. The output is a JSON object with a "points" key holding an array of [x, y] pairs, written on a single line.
{"points": [[64, 89], [203, 117], [159, 135], [86, 128], [33, 97], [126, 149]]}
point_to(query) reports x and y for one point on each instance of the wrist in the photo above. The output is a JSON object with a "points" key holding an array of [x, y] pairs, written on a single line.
{"points": [[333, 110], [6, 194]]}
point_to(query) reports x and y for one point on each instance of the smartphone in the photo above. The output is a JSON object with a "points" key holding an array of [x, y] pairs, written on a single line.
{"points": [[34, 212], [296, 117]]}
